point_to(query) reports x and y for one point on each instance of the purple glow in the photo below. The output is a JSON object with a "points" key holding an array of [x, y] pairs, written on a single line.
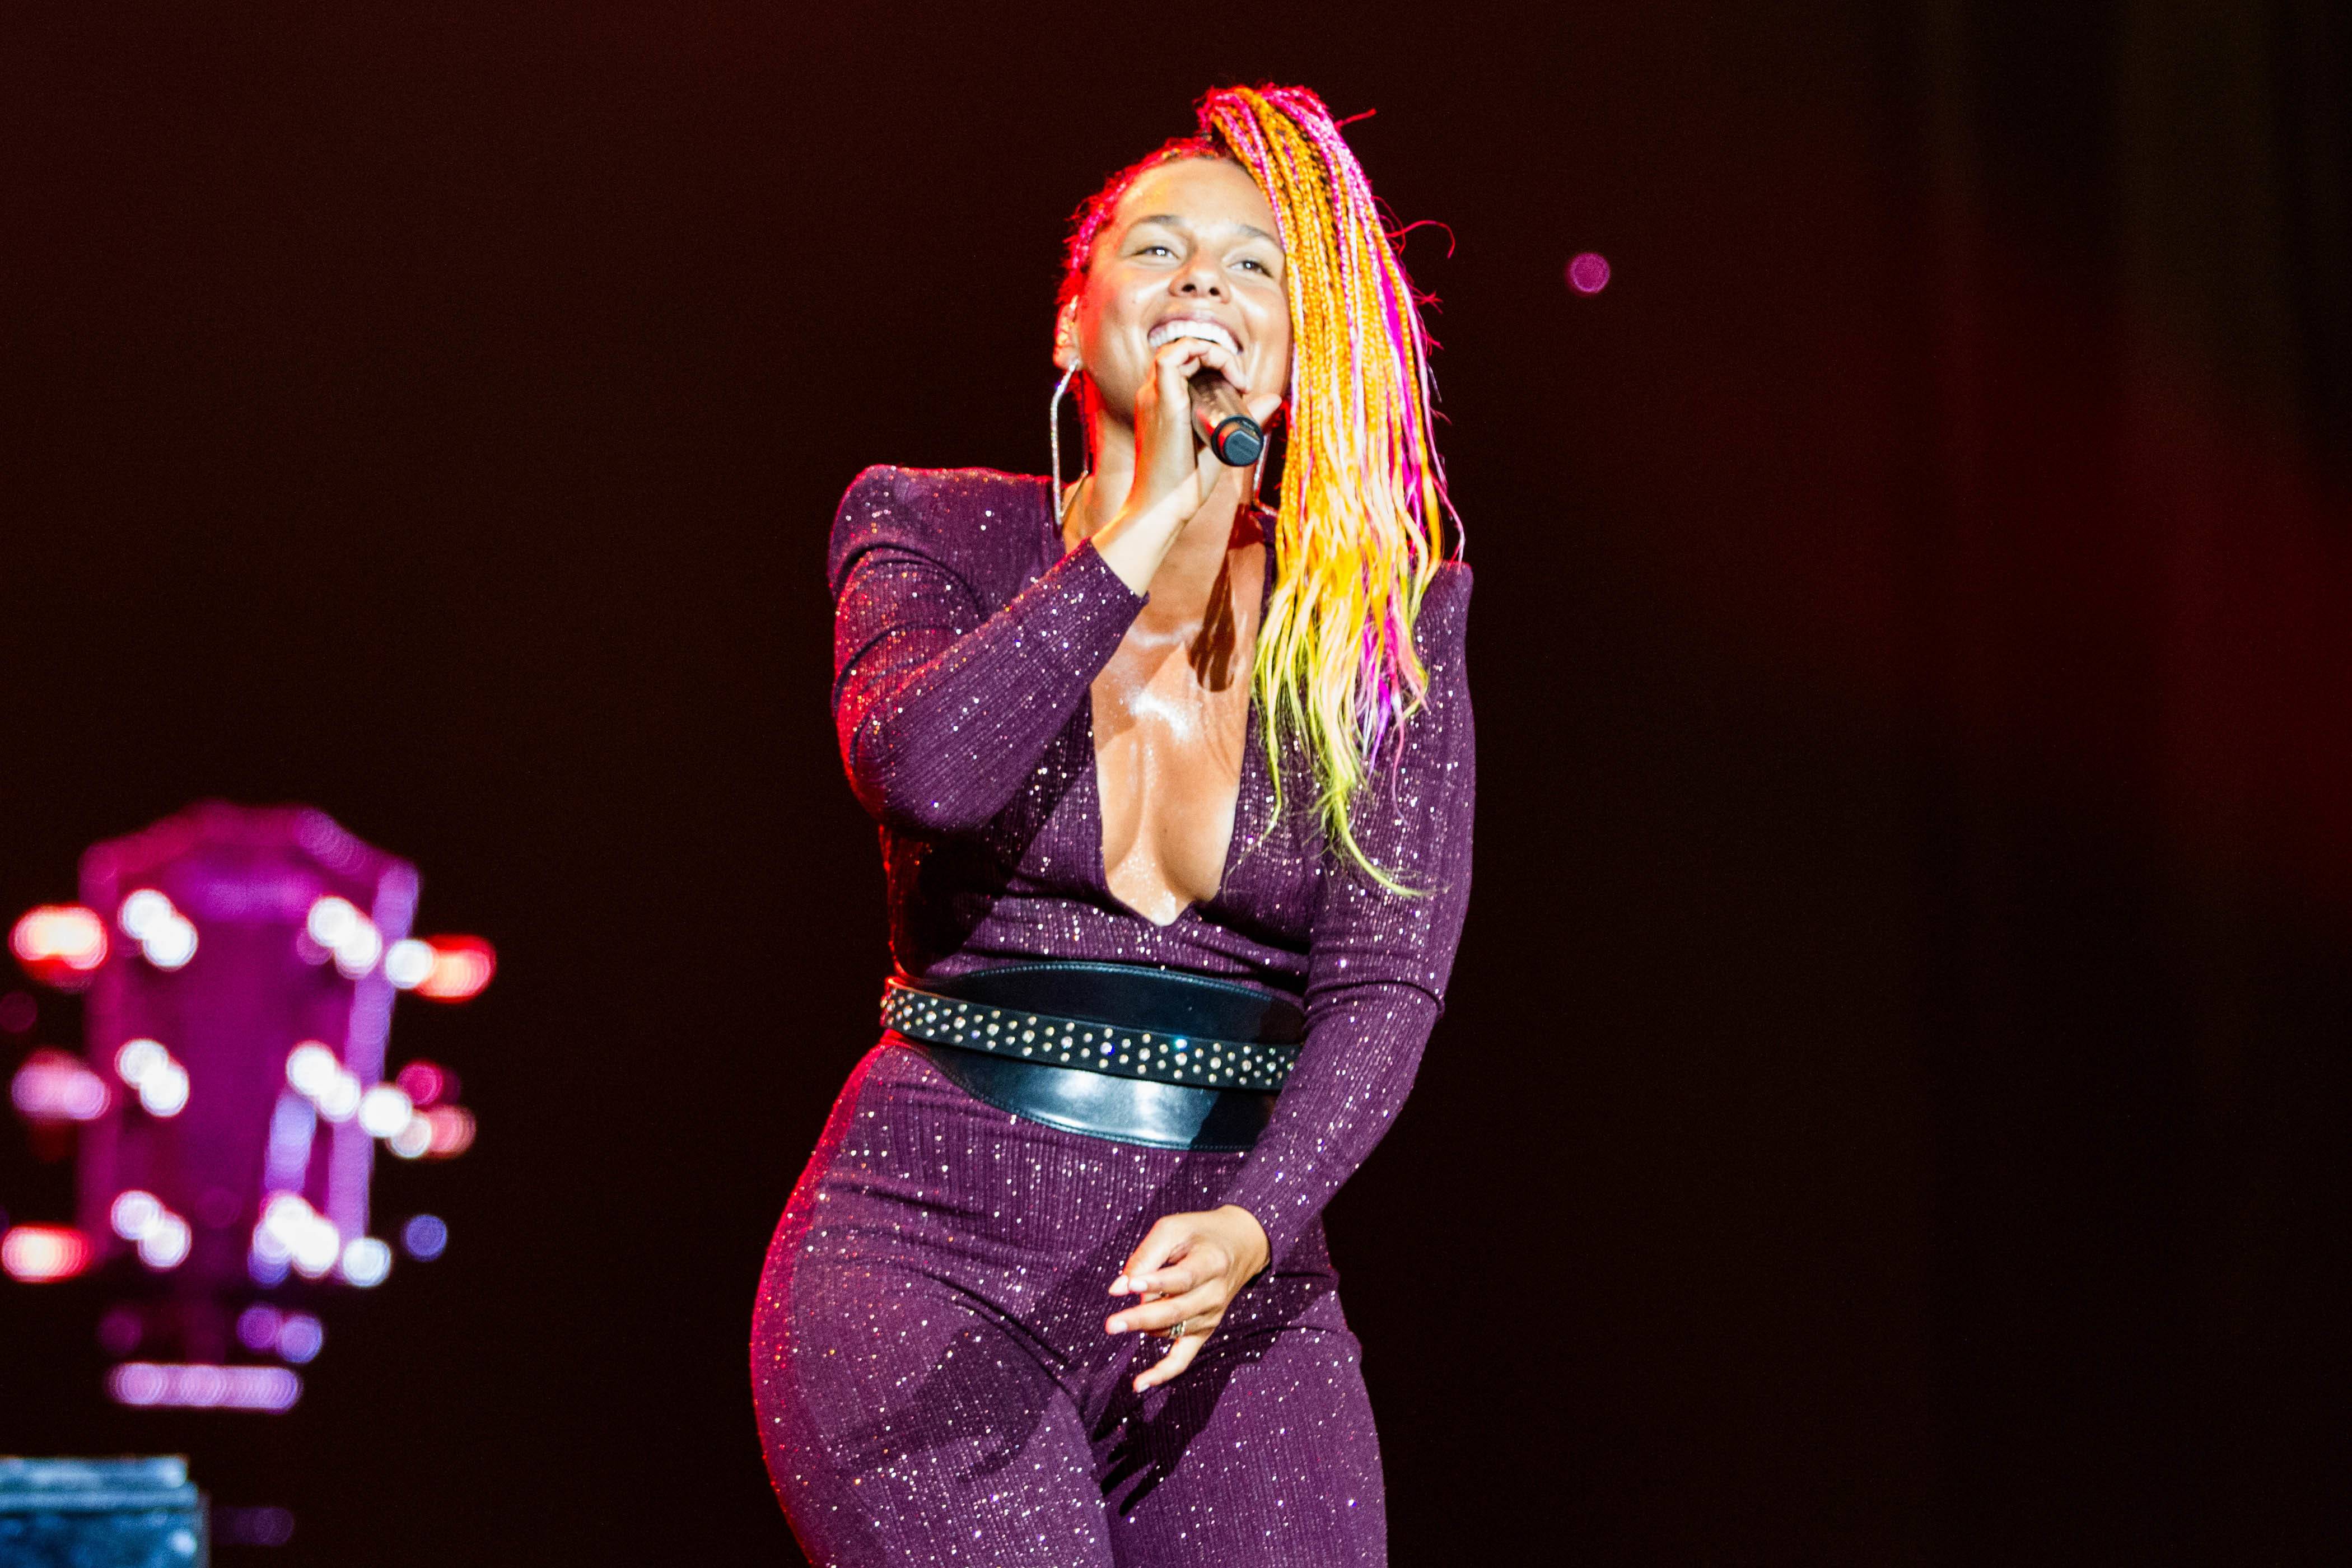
{"points": [[120, 1332], [299, 1338], [200, 1385], [256, 1327], [1587, 272], [53, 1087], [425, 1236], [252, 1526]]}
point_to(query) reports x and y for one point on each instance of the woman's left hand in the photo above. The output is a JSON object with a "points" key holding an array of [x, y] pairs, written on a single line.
{"points": [[1187, 1269]]}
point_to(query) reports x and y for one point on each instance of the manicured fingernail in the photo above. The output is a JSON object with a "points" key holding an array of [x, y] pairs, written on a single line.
{"points": [[1118, 1286]]}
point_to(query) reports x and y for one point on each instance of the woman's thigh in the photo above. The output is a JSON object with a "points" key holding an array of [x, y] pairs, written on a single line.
{"points": [[1263, 1452], [903, 1426]]}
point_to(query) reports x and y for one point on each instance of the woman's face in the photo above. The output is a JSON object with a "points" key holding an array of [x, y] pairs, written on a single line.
{"points": [[1190, 250]]}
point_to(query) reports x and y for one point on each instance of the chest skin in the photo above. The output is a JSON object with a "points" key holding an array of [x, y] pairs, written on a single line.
{"points": [[1171, 724]]}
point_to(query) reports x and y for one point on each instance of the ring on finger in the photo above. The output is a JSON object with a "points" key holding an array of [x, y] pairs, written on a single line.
{"points": [[1177, 1330]]}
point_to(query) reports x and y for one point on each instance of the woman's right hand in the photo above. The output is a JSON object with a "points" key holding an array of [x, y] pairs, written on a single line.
{"points": [[1175, 472]]}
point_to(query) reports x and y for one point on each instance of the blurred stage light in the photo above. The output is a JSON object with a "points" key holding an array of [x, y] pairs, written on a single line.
{"points": [[426, 1236], [453, 1130], [408, 963], [413, 1140], [198, 1386], [59, 944], [143, 913], [1588, 273], [53, 1087], [290, 1229], [310, 1068], [336, 925], [166, 1244], [38, 1254], [339, 1101], [172, 945], [462, 965], [299, 1338], [366, 1261], [257, 1326], [315, 1248], [356, 956], [164, 1091], [385, 1111], [137, 1059], [427, 1083], [136, 1212], [163, 934], [331, 922]]}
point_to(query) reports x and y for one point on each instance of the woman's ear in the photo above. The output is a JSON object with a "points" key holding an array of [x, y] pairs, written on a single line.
{"points": [[1066, 339]]}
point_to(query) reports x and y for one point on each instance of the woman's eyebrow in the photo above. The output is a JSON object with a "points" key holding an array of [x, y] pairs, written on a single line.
{"points": [[1171, 220]]}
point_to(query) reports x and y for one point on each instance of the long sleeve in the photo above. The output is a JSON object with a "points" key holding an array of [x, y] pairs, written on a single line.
{"points": [[1379, 961], [942, 709]]}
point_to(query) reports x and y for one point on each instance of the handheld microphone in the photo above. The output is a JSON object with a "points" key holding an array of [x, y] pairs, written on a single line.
{"points": [[1223, 423]]}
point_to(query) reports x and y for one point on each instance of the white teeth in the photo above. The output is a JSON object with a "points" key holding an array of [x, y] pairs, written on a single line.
{"points": [[1207, 332]]}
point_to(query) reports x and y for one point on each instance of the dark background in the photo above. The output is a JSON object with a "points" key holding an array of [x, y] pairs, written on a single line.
{"points": [[1910, 647]]}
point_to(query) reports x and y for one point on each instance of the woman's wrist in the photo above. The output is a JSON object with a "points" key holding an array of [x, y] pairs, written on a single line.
{"points": [[1135, 542], [1255, 1232]]}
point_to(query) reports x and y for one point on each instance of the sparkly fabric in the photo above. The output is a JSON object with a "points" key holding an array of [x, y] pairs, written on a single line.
{"points": [[934, 1385], [966, 641]]}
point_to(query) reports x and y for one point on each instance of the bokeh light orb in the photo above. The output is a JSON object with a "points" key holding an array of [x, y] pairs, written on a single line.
{"points": [[426, 1236], [1587, 272]]}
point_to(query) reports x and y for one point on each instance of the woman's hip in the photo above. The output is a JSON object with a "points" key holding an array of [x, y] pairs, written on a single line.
{"points": [[910, 1159]]}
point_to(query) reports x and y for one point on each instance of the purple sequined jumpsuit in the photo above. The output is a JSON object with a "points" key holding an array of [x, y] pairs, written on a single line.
{"points": [[932, 1379]]}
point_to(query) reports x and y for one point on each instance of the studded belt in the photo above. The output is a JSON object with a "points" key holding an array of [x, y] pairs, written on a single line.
{"points": [[1127, 1052]]}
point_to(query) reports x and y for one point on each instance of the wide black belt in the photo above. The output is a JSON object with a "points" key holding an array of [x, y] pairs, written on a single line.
{"points": [[1122, 1051]]}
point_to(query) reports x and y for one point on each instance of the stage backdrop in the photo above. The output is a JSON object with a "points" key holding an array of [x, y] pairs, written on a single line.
{"points": [[1910, 647]]}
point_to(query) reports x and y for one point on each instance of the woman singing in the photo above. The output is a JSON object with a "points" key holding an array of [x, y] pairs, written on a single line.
{"points": [[1175, 800]]}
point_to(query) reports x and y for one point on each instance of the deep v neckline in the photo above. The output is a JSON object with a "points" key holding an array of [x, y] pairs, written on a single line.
{"points": [[1237, 837]]}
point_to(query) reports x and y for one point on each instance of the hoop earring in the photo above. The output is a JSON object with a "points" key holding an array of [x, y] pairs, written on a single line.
{"points": [[1054, 421]]}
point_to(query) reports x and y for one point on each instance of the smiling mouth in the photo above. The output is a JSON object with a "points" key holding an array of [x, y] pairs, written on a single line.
{"points": [[1207, 332]]}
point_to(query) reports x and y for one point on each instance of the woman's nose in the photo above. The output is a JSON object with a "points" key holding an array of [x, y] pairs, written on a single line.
{"points": [[1201, 279]]}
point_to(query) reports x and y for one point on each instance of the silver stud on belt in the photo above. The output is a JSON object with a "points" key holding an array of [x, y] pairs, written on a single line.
{"points": [[1076, 1043]]}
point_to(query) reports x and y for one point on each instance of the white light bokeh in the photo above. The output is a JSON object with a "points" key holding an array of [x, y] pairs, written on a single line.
{"points": [[316, 1247], [164, 1091], [171, 945], [166, 1245], [385, 1111], [366, 1261], [412, 1142], [408, 962], [134, 1214], [331, 922], [142, 913], [139, 1058], [338, 1100], [357, 954], [310, 1068]]}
